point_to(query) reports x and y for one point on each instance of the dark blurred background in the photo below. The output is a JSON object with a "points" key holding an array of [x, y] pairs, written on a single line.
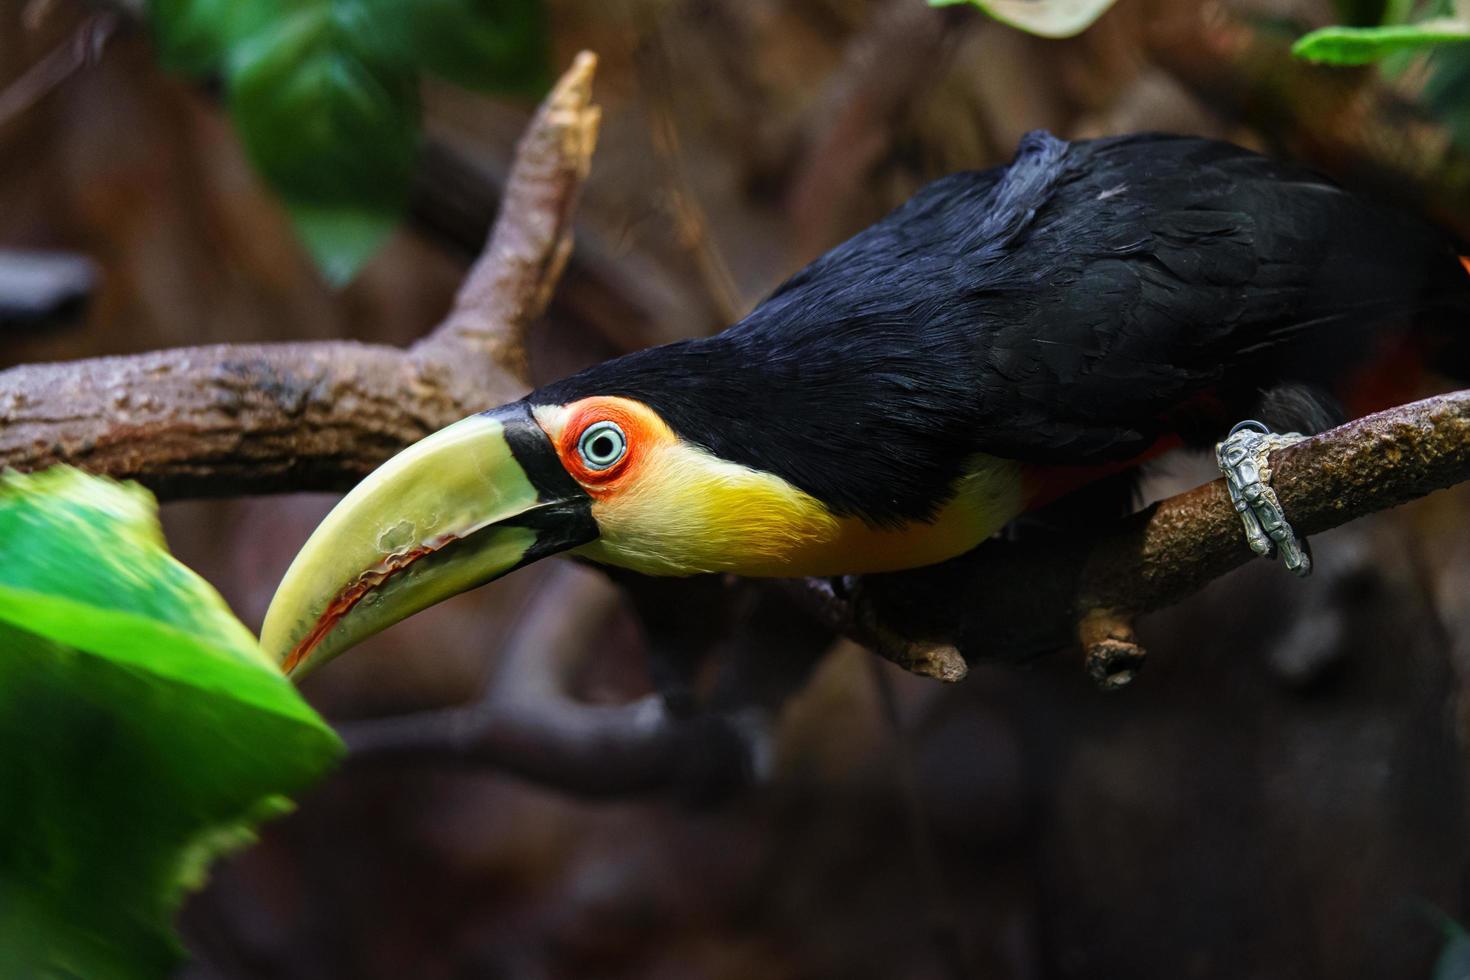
{"points": [[1281, 794]]}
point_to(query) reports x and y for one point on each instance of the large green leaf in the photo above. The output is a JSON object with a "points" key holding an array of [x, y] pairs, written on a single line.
{"points": [[1362, 45], [328, 110], [1049, 18], [142, 731]]}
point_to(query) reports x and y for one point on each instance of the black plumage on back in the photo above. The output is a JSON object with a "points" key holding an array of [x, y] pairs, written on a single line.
{"points": [[1056, 310]]}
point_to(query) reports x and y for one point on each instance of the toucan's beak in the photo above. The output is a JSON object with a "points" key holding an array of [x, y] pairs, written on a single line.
{"points": [[455, 510]]}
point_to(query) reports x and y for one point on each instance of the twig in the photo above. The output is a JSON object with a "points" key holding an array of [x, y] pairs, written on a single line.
{"points": [[237, 419], [83, 48]]}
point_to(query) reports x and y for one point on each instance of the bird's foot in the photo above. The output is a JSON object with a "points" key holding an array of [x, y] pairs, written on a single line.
{"points": [[1244, 459]]}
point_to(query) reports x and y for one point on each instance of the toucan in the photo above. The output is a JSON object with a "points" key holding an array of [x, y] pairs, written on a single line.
{"points": [[1003, 338]]}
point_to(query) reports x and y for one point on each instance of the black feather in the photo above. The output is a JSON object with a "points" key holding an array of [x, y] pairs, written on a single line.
{"points": [[1056, 310]]}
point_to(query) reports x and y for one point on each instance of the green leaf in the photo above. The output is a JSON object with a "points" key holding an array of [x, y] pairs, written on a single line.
{"points": [[1361, 45], [496, 45], [142, 731], [1048, 18], [326, 103]]}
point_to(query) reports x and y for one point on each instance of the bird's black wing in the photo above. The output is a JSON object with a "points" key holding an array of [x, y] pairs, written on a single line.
{"points": [[1137, 273]]}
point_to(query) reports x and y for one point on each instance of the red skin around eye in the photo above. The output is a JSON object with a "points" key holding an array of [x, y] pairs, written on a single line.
{"points": [[636, 430]]}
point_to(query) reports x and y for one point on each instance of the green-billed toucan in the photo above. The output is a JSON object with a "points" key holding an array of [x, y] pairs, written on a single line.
{"points": [[1001, 338]]}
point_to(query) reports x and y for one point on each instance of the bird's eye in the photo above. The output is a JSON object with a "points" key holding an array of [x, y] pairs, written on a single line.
{"points": [[602, 444]]}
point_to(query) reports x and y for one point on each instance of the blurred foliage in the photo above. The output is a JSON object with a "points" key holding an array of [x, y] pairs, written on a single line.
{"points": [[1048, 18], [1403, 34], [1362, 45], [324, 94], [146, 732], [1378, 30]]}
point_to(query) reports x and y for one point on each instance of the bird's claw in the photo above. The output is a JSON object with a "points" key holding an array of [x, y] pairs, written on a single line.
{"points": [[1244, 459]]}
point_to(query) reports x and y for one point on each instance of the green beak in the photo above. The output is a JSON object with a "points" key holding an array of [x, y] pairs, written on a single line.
{"points": [[455, 510]]}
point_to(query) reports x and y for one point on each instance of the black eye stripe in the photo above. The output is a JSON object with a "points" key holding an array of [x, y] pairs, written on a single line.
{"points": [[602, 444]]}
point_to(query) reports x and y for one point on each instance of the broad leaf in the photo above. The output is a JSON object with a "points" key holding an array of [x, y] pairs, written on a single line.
{"points": [[328, 111], [1048, 18], [1362, 45], [142, 731]]}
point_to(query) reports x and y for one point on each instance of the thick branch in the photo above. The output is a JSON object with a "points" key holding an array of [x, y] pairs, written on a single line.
{"points": [[1013, 600], [229, 420], [209, 421]]}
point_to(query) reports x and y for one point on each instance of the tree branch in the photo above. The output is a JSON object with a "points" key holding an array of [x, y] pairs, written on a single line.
{"points": [[241, 419], [1014, 600]]}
